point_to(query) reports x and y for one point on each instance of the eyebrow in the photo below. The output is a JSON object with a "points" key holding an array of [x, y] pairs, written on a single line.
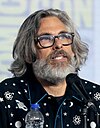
{"points": [[44, 34], [63, 32], [51, 34]]}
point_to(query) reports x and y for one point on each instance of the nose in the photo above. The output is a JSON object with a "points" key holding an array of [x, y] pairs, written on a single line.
{"points": [[57, 44]]}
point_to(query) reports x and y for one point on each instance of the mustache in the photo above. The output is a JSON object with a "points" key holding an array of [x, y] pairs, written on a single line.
{"points": [[58, 53]]}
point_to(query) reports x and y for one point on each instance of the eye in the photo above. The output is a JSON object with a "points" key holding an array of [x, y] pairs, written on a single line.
{"points": [[62, 36], [68, 36], [44, 38], [65, 36]]}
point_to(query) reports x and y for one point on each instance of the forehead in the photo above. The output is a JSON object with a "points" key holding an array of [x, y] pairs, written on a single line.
{"points": [[51, 25]]}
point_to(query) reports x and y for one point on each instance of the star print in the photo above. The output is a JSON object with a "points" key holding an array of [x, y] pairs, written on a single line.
{"points": [[26, 84], [1, 99], [67, 125], [5, 83], [5, 107], [49, 97], [90, 92], [76, 120], [45, 104], [19, 92], [97, 96], [22, 81], [47, 114], [14, 84], [9, 106], [64, 103], [12, 114], [25, 90], [65, 113], [46, 125], [10, 123], [94, 86]]}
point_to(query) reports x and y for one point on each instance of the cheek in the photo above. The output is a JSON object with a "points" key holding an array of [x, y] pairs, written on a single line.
{"points": [[42, 54], [69, 51], [39, 55]]}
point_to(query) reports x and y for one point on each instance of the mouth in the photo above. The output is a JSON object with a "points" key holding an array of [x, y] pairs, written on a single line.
{"points": [[59, 57]]}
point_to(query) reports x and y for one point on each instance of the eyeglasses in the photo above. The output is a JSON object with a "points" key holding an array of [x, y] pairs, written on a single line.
{"points": [[46, 41]]}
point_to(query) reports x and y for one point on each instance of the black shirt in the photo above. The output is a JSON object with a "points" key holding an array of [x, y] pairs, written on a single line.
{"points": [[16, 95]]}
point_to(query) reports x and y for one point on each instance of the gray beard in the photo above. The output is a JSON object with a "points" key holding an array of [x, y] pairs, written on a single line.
{"points": [[52, 74]]}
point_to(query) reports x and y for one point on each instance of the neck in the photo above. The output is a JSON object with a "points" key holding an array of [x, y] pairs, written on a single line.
{"points": [[54, 90]]}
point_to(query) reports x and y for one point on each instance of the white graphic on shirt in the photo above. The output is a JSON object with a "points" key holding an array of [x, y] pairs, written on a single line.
{"points": [[1, 99], [25, 90], [65, 113], [18, 124], [76, 120], [71, 104], [21, 105], [93, 124], [12, 114], [97, 96], [8, 95]]}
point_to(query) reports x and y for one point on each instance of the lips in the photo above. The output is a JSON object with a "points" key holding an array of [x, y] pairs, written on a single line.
{"points": [[59, 57]]}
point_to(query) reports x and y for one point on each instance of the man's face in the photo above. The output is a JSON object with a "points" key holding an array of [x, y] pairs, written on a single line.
{"points": [[53, 61], [53, 26]]}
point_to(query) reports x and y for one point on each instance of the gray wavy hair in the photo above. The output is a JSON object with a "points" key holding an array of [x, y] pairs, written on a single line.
{"points": [[24, 48]]}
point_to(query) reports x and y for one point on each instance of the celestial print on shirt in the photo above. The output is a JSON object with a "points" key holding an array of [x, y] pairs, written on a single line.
{"points": [[18, 124], [97, 96], [1, 99], [17, 104], [71, 104], [77, 120], [21, 105], [8, 95]]}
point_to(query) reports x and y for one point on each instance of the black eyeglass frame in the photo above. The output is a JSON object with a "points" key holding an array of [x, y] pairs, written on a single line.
{"points": [[53, 41]]}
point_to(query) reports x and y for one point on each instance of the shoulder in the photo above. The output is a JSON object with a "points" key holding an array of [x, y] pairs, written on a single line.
{"points": [[90, 86], [93, 90], [11, 84], [11, 80]]}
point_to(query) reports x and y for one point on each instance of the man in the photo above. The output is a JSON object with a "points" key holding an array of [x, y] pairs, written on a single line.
{"points": [[46, 50]]}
